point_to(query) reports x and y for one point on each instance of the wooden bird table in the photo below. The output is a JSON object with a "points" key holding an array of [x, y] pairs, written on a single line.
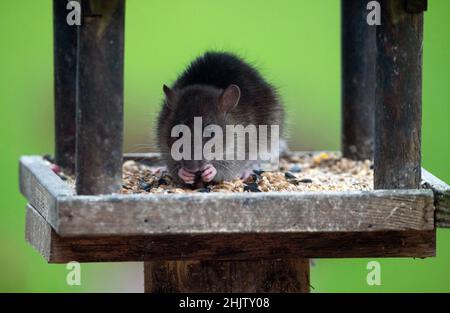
{"points": [[241, 242]]}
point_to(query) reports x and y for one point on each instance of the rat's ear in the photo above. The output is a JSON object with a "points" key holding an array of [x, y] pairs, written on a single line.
{"points": [[171, 97], [229, 98]]}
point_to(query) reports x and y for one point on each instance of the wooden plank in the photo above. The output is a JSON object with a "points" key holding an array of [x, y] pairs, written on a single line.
{"points": [[397, 156], [441, 198], [100, 97], [172, 214], [223, 247], [246, 212], [42, 187], [281, 276], [358, 80], [39, 234], [65, 67]]}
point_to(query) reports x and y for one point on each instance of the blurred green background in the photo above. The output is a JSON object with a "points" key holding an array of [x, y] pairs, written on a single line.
{"points": [[296, 44]]}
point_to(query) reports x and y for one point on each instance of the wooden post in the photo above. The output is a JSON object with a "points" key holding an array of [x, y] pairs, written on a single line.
{"points": [[358, 80], [65, 62], [100, 97], [227, 276], [397, 155]]}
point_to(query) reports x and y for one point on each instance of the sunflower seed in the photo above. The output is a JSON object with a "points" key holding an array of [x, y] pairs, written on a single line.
{"points": [[252, 187], [289, 175]]}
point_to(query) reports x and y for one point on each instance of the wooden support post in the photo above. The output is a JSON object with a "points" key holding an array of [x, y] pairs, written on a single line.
{"points": [[65, 62], [397, 155], [227, 276], [358, 80], [100, 97]]}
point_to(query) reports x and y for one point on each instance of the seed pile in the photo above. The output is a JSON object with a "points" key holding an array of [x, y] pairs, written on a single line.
{"points": [[310, 172]]}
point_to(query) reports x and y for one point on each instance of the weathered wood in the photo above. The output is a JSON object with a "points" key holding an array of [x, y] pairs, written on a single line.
{"points": [[203, 247], [416, 6], [397, 155], [358, 80], [286, 212], [100, 97], [65, 71], [42, 187], [224, 276], [441, 198], [231, 213]]}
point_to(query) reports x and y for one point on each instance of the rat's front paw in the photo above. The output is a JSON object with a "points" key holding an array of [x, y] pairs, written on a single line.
{"points": [[209, 172], [186, 176], [245, 174]]}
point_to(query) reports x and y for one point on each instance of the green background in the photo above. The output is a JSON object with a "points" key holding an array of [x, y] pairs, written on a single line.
{"points": [[296, 44]]}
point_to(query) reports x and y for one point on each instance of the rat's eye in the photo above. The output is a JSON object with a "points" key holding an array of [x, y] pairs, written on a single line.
{"points": [[210, 131], [175, 138], [180, 132]]}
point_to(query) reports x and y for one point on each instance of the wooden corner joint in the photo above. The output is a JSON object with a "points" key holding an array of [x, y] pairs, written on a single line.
{"points": [[441, 193], [442, 203]]}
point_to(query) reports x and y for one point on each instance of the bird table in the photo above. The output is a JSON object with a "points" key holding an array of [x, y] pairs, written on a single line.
{"points": [[239, 242]]}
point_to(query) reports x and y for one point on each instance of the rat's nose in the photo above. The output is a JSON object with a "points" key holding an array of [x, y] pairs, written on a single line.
{"points": [[193, 166]]}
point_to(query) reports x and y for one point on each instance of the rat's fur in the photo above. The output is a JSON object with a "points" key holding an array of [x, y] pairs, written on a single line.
{"points": [[198, 90]]}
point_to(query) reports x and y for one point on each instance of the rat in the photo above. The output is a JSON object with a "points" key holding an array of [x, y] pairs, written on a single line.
{"points": [[222, 89]]}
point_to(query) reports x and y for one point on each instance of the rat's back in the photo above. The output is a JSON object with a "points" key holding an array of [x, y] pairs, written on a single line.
{"points": [[219, 69], [259, 99]]}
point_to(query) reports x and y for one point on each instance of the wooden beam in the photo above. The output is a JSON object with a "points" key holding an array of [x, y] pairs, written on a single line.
{"points": [[100, 97], [171, 214], [244, 212], [397, 156], [224, 247], [358, 80], [39, 234], [65, 70]]}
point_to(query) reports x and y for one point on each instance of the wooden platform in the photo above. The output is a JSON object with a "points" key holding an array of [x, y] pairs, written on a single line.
{"points": [[383, 223]]}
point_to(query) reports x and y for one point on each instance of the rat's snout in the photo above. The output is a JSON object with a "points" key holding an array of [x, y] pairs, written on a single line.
{"points": [[193, 166]]}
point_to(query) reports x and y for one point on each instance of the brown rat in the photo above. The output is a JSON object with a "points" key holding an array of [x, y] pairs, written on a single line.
{"points": [[223, 90]]}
